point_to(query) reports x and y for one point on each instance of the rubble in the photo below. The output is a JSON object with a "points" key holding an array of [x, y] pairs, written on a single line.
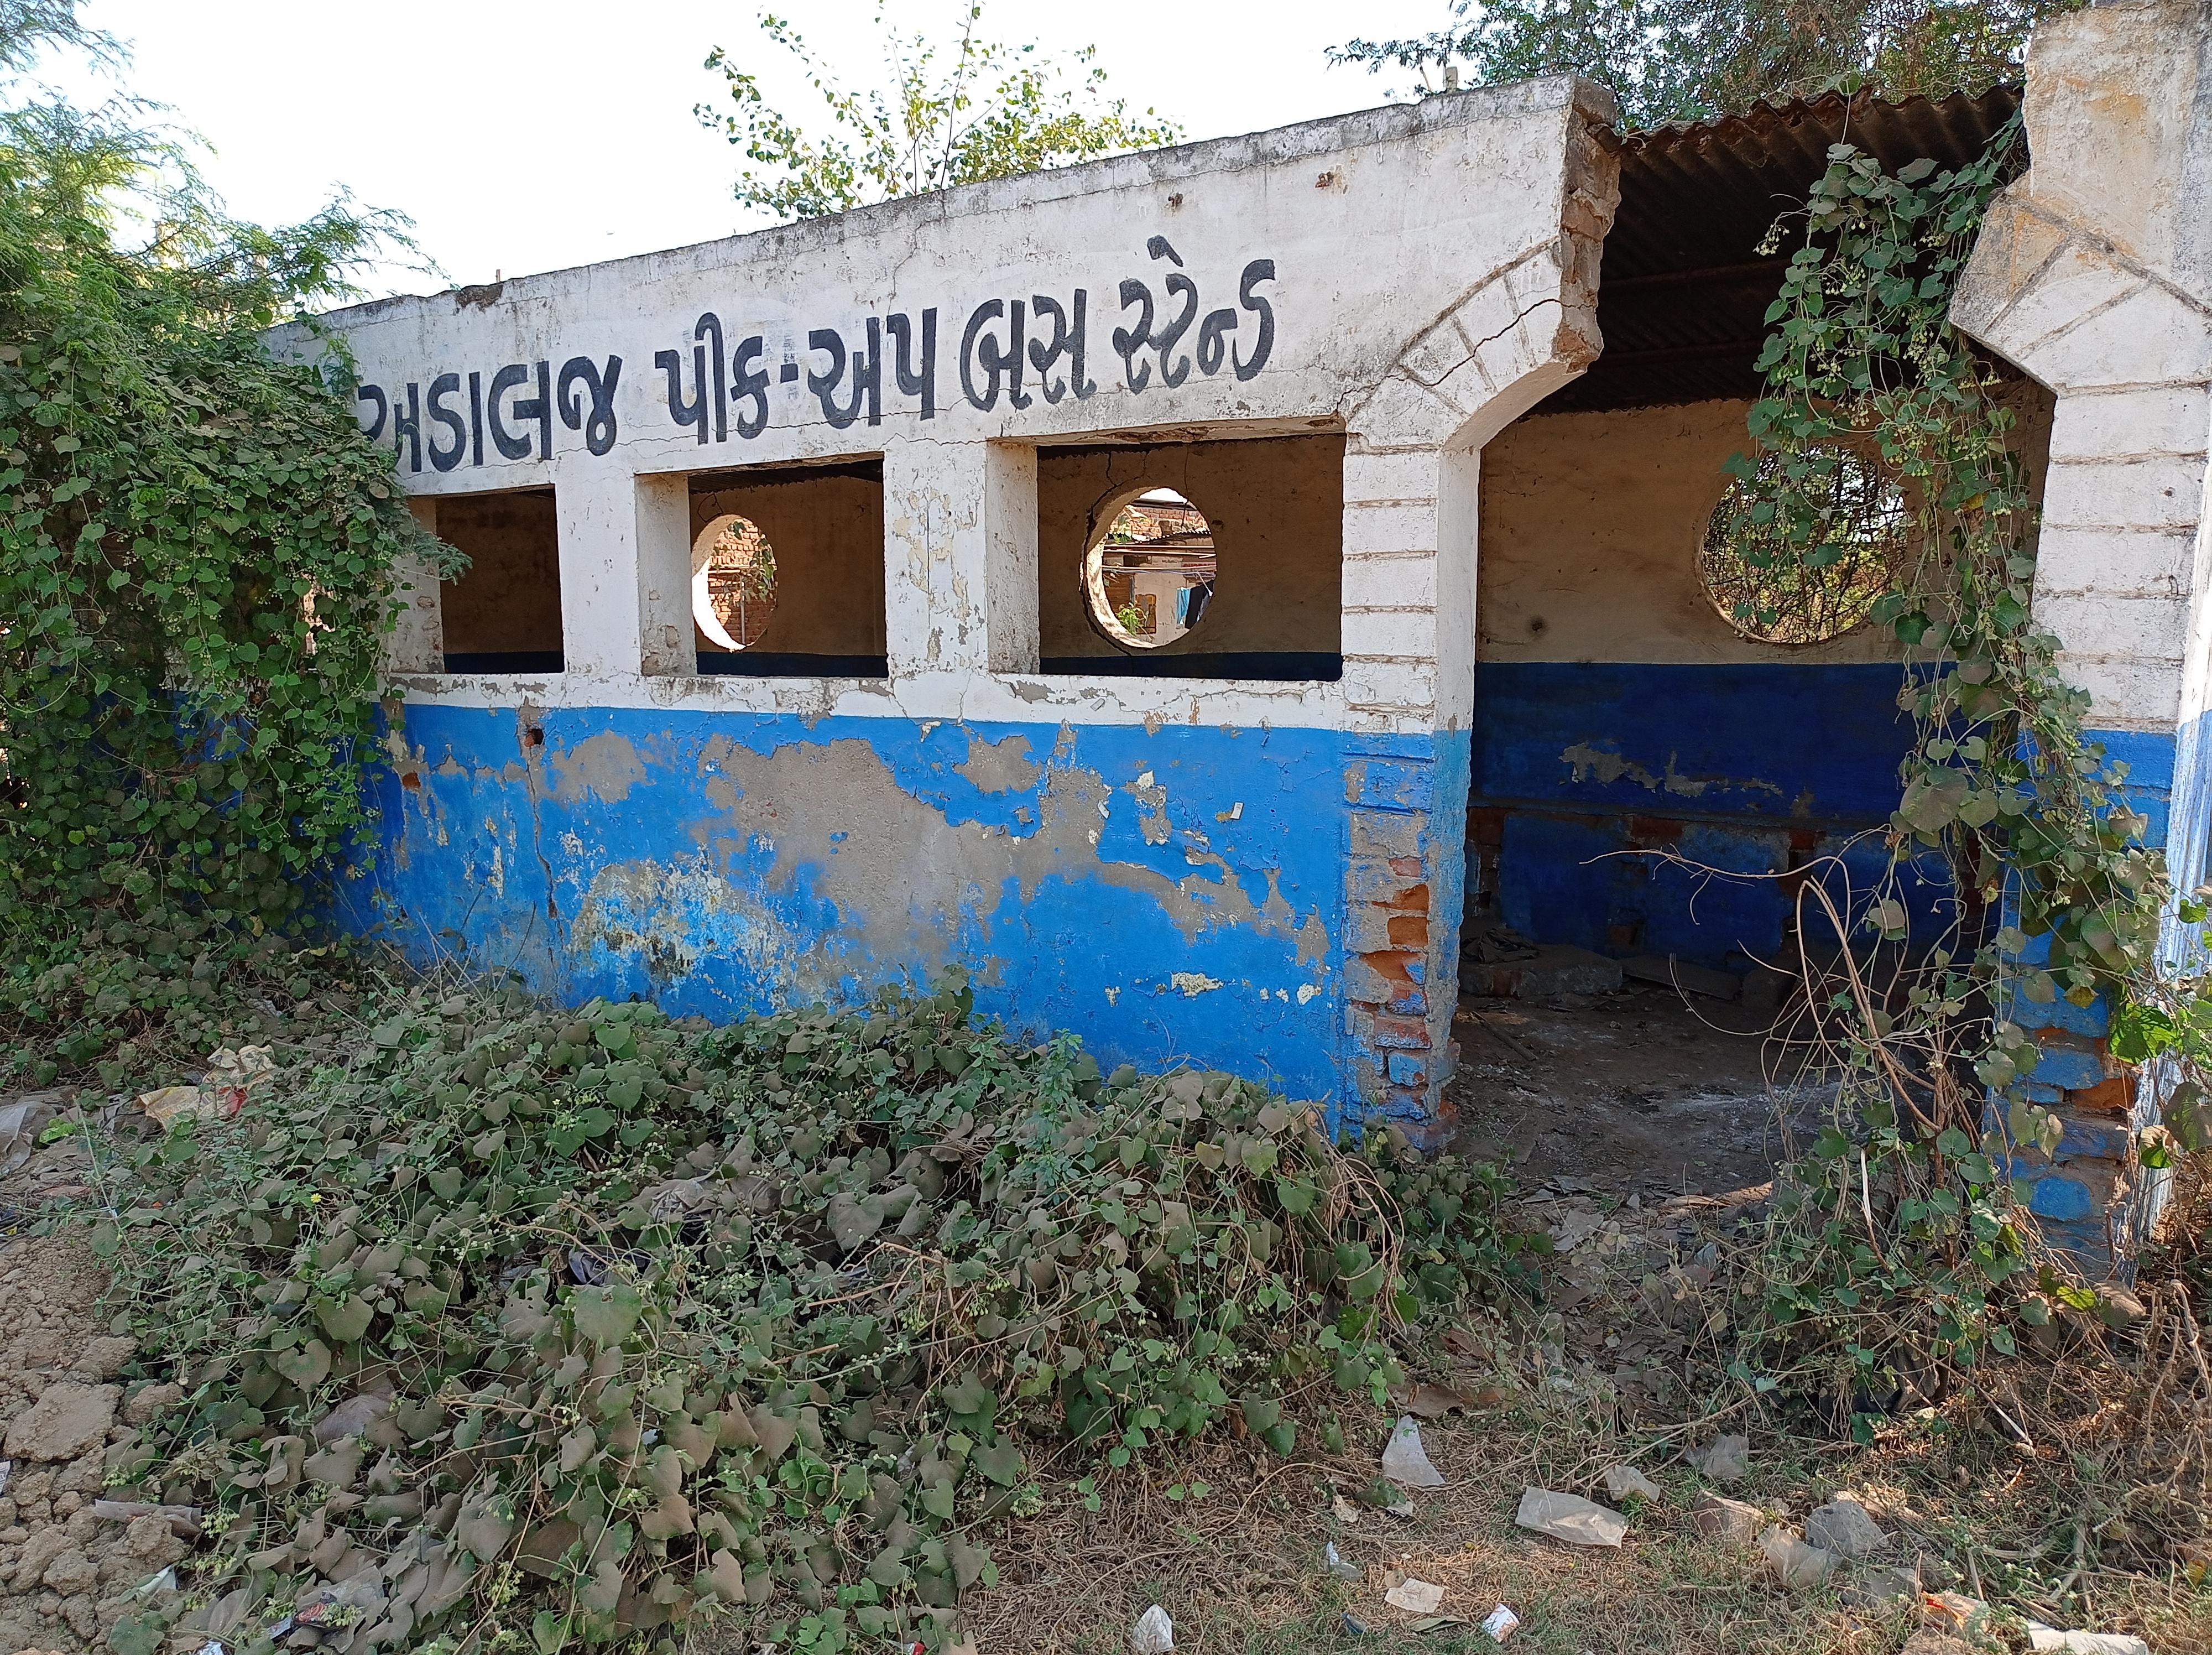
{"points": [[65, 1421], [1842, 1526]]}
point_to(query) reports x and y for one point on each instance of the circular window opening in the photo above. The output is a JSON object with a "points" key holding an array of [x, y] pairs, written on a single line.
{"points": [[733, 583], [1150, 578], [1770, 590]]}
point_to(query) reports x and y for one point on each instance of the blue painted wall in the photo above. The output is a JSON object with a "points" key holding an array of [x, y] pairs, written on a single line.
{"points": [[1171, 896], [1750, 769]]}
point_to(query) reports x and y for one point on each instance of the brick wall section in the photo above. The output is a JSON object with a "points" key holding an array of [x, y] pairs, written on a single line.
{"points": [[1412, 472], [2094, 275]]}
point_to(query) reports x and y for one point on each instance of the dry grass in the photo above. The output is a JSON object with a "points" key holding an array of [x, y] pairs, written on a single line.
{"points": [[2088, 1527]]}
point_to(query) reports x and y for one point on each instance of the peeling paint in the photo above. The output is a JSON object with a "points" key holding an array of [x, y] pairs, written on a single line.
{"points": [[605, 765], [727, 863], [1593, 762], [999, 766]]}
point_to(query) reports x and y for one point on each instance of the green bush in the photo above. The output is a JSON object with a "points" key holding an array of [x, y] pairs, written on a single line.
{"points": [[774, 1317]]}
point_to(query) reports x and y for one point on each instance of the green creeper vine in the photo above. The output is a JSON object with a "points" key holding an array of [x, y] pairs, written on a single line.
{"points": [[195, 548], [1895, 1236]]}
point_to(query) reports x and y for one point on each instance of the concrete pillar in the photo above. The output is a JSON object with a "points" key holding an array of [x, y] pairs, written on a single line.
{"points": [[416, 642], [625, 573], [960, 569]]}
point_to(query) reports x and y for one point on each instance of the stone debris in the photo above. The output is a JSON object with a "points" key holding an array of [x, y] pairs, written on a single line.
{"points": [[1344, 1510], [1724, 1459], [1798, 1566], [67, 1420], [1842, 1526], [2084, 1643], [1626, 1482], [1154, 1633], [1925, 1642], [1730, 1521], [1883, 1584], [1405, 1462], [1569, 1518], [143, 1404], [1415, 1596]]}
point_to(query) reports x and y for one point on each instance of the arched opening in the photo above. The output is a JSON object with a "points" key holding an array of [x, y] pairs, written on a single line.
{"points": [[733, 583], [1149, 577], [1776, 593]]}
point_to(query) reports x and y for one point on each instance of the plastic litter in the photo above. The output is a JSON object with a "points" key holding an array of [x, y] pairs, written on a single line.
{"points": [[1338, 1567], [1405, 1462], [1730, 1521], [1800, 1566], [1499, 1624], [1345, 1511], [1724, 1459], [1623, 1480], [1569, 1518], [154, 1585], [1415, 1596], [1154, 1633]]}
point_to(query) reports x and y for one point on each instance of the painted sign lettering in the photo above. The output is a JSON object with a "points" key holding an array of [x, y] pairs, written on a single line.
{"points": [[1012, 347]]}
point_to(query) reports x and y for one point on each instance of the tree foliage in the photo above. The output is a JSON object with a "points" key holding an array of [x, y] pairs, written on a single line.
{"points": [[196, 543], [961, 114], [1681, 60]]}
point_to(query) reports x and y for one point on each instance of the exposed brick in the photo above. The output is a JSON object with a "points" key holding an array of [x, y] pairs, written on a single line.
{"points": [[1403, 1033], [1368, 929], [1414, 898], [1409, 931], [2117, 1094], [1409, 868], [1408, 1068], [1654, 830], [1486, 826]]}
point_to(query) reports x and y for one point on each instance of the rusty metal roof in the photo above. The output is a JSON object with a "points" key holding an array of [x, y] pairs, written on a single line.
{"points": [[1683, 291]]}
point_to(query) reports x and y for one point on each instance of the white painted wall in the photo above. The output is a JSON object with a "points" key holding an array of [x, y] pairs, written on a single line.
{"points": [[2092, 273], [1434, 276]]}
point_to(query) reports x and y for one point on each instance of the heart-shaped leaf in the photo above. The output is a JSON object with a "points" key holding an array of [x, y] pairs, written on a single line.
{"points": [[1001, 1462], [306, 1366], [606, 1315], [344, 1319]]}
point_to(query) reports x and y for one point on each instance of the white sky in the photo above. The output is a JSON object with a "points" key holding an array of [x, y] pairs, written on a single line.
{"points": [[527, 135]]}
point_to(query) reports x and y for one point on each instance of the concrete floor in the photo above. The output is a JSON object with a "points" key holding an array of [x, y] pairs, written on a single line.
{"points": [[1642, 1090]]}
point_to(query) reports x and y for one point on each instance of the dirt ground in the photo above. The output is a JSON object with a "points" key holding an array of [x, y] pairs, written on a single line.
{"points": [[1645, 1092], [67, 1573]]}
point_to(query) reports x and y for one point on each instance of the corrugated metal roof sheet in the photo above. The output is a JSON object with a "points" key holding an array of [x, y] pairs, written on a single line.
{"points": [[1683, 292]]}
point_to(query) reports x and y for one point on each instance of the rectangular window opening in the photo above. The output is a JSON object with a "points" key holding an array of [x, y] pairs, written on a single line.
{"points": [[1215, 559], [787, 571], [503, 614]]}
